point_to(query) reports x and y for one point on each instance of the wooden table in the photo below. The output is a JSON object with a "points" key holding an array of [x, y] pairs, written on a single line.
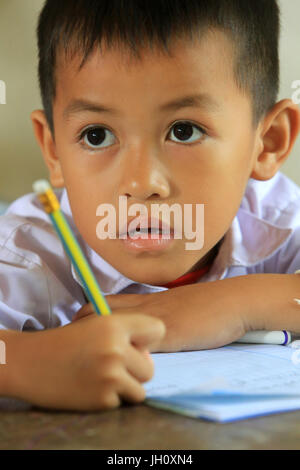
{"points": [[142, 427]]}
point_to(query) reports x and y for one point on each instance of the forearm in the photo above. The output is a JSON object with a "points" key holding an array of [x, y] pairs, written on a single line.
{"points": [[262, 301], [213, 314], [233, 306], [27, 356], [12, 349], [269, 301]]}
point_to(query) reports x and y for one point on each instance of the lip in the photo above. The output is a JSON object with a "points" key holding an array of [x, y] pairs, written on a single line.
{"points": [[146, 222], [139, 245]]}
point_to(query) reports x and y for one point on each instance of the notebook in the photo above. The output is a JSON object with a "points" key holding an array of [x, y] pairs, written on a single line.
{"points": [[234, 382]]}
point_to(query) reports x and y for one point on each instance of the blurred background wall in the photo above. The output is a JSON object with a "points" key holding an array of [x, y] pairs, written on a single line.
{"points": [[20, 158]]}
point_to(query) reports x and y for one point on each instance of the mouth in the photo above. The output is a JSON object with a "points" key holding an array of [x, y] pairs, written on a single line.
{"points": [[149, 234], [147, 229]]}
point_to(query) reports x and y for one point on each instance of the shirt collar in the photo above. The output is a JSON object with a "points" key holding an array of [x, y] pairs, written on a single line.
{"points": [[249, 240]]}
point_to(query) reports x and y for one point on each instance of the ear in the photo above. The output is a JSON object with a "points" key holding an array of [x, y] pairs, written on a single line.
{"points": [[278, 132], [47, 145]]}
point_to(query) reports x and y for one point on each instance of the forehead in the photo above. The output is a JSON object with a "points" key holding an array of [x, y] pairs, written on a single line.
{"points": [[205, 64]]}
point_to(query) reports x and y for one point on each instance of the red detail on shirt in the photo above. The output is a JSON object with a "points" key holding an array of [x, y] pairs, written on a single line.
{"points": [[188, 278]]}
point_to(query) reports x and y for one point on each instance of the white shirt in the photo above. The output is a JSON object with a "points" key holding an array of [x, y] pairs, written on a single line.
{"points": [[40, 289]]}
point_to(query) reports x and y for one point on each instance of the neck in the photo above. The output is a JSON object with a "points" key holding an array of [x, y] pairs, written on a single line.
{"points": [[208, 258]]}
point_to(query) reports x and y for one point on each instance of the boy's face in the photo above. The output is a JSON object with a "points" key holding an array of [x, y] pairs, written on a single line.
{"points": [[143, 154]]}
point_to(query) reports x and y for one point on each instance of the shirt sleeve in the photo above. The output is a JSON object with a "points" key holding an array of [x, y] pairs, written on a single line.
{"points": [[24, 296], [287, 258], [36, 289]]}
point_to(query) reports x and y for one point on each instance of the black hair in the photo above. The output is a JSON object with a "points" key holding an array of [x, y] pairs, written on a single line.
{"points": [[77, 26]]}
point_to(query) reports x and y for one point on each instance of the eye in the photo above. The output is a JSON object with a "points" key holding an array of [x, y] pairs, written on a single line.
{"points": [[97, 137], [184, 131]]}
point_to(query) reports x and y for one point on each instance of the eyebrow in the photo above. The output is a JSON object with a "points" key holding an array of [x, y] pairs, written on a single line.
{"points": [[203, 101]]}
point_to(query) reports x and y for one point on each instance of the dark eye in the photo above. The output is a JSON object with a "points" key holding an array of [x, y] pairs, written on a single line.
{"points": [[97, 137], [184, 131]]}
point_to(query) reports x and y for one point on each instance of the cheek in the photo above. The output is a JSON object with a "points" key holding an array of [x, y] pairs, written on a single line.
{"points": [[218, 180], [83, 209], [219, 176], [84, 201]]}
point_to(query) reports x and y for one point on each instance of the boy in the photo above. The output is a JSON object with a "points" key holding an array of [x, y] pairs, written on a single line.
{"points": [[175, 103]]}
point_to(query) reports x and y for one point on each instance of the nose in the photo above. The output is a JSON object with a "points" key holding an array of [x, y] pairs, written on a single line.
{"points": [[144, 176]]}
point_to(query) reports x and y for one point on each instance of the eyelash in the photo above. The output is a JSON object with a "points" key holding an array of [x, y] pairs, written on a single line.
{"points": [[90, 128]]}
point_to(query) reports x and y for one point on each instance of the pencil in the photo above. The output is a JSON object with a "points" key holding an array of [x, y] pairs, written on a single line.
{"points": [[51, 205]]}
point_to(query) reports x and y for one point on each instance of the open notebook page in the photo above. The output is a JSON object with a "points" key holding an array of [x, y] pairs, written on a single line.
{"points": [[232, 382]]}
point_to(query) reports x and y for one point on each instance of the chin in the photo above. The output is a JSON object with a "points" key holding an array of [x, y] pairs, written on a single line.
{"points": [[151, 280]]}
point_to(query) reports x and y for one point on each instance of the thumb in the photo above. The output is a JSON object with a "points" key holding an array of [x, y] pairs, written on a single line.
{"points": [[146, 331]]}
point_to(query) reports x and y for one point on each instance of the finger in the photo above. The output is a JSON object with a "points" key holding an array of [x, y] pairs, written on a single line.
{"points": [[131, 390], [145, 330], [139, 364], [108, 401]]}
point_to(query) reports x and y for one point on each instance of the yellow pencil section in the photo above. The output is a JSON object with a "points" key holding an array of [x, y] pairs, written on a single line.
{"points": [[51, 205], [81, 262]]}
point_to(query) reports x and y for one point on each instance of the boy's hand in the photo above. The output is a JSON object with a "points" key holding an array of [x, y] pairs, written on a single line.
{"points": [[92, 364], [212, 314], [195, 316]]}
